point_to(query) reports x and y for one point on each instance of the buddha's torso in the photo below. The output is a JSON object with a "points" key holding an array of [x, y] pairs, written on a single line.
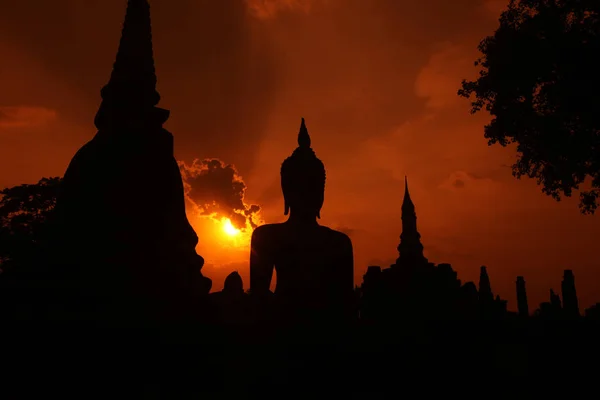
{"points": [[308, 261]]}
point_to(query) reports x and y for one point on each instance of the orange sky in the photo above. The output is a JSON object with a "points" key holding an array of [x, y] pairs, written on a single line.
{"points": [[376, 81]]}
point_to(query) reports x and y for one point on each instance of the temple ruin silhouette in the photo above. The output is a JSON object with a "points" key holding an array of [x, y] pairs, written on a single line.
{"points": [[414, 288], [122, 248], [121, 235], [123, 229]]}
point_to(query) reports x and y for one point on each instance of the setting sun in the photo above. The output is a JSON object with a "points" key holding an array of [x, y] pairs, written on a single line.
{"points": [[228, 227], [220, 240]]}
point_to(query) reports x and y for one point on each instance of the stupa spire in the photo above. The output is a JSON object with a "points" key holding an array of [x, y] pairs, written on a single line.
{"points": [[410, 247], [132, 85], [407, 202]]}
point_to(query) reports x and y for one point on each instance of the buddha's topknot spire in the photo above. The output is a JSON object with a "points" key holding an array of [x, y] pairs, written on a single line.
{"points": [[302, 172], [132, 85], [303, 136]]}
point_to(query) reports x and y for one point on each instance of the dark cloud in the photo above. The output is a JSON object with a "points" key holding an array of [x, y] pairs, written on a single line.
{"points": [[463, 179], [216, 189], [458, 183]]}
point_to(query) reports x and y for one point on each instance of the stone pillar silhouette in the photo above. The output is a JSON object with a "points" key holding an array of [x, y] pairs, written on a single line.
{"points": [[522, 304], [555, 300], [123, 228], [569, 294], [485, 288], [410, 247]]}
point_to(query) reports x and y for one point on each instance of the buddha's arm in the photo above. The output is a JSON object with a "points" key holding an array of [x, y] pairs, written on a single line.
{"points": [[261, 265]]}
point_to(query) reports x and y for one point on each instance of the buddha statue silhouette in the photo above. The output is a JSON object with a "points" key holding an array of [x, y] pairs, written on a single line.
{"points": [[314, 264]]}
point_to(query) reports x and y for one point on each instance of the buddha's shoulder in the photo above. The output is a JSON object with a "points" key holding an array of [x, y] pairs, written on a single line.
{"points": [[283, 230], [268, 230], [336, 236]]}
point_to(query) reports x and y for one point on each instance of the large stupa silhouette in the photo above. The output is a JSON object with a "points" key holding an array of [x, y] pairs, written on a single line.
{"points": [[123, 229]]}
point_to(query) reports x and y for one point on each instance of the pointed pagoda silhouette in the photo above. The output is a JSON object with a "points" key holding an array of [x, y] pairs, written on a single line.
{"points": [[485, 288], [410, 247], [522, 303], [569, 294], [132, 85], [121, 211]]}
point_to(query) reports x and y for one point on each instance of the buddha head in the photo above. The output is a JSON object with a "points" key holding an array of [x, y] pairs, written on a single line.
{"points": [[303, 179]]}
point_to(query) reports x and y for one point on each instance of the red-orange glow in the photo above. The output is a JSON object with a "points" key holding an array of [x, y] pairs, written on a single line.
{"points": [[218, 236], [376, 81], [223, 246], [232, 236]]}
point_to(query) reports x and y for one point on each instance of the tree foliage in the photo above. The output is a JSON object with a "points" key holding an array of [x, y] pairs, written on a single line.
{"points": [[24, 214], [539, 81]]}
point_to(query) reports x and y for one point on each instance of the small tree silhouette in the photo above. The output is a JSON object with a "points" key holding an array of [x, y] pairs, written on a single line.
{"points": [[24, 214]]}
